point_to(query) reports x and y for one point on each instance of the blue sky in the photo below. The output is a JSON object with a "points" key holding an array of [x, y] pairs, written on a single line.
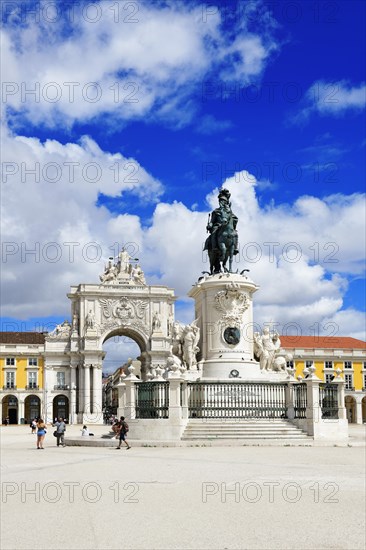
{"points": [[274, 90]]}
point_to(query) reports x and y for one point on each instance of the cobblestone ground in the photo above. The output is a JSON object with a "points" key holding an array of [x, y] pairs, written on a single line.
{"points": [[166, 498]]}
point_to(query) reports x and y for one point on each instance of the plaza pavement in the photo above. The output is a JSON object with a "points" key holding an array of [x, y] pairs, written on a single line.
{"points": [[252, 497]]}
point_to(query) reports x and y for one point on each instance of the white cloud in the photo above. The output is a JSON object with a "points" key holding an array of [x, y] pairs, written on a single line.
{"points": [[147, 68], [210, 125], [332, 99], [37, 213]]}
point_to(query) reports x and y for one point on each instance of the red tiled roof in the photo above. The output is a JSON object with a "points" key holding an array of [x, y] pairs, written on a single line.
{"points": [[318, 342], [22, 337]]}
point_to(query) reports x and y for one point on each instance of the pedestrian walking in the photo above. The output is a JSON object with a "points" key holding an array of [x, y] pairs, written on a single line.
{"points": [[59, 433], [41, 433], [33, 426], [123, 433]]}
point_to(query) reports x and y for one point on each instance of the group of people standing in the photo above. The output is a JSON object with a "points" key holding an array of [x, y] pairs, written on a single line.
{"points": [[39, 427]]}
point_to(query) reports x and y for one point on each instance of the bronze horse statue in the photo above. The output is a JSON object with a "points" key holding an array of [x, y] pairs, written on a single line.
{"points": [[222, 243]]}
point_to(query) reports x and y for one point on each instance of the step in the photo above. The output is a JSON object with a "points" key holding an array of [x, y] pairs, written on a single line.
{"points": [[278, 429], [259, 437]]}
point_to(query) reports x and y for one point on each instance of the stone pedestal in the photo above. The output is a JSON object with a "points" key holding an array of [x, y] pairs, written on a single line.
{"points": [[224, 309]]}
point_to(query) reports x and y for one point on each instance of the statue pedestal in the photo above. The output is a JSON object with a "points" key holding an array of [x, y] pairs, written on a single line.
{"points": [[224, 309]]}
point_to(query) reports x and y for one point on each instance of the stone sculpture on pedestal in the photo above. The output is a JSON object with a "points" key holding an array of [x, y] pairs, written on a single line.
{"points": [[185, 340], [122, 271], [266, 349], [222, 244]]}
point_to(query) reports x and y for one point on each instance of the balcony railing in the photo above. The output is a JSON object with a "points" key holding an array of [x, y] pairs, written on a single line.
{"points": [[349, 388], [9, 387], [61, 387], [32, 387]]}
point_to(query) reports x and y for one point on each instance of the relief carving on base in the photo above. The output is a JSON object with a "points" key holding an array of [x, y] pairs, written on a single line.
{"points": [[124, 308], [232, 303]]}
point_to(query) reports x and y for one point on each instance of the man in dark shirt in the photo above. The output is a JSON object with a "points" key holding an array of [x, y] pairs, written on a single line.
{"points": [[123, 433], [60, 431]]}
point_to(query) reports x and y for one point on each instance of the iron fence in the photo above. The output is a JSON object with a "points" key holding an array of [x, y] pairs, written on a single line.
{"points": [[300, 399], [152, 400], [328, 400], [237, 400]]}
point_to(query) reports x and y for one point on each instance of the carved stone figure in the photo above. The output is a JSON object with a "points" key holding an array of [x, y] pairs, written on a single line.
{"points": [[61, 331], [90, 320], [177, 333], [190, 337], [121, 271], [124, 261], [222, 244], [137, 275], [265, 348], [156, 323], [174, 364], [75, 322], [110, 272]]}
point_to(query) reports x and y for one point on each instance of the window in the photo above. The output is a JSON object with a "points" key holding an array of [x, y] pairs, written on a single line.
{"points": [[10, 361], [309, 364], [60, 378], [328, 364], [32, 362], [364, 382], [348, 364], [32, 380], [290, 364], [10, 380], [329, 378], [348, 378]]}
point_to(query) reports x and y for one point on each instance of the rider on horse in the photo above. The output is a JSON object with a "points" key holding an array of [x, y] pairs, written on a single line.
{"points": [[222, 243]]}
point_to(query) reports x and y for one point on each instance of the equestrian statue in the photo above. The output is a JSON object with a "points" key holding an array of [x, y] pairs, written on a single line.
{"points": [[222, 243]]}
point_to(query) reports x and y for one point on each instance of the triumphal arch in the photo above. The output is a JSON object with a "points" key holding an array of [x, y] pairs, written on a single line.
{"points": [[121, 304]]}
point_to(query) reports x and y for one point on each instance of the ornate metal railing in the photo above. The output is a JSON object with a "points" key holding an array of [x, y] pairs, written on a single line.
{"points": [[300, 399], [32, 387], [61, 387], [10, 387], [152, 400], [237, 400], [328, 400]]}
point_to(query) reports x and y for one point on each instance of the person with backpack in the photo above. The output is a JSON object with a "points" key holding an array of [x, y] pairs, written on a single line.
{"points": [[59, 433], [123, 433]]}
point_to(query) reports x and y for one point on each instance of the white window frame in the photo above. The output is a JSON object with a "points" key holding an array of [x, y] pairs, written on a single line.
{"points": [[348, 385], [348, 367], [328, 378], [10, 374], [30, 361], [30, 375], [311, 363], [8, 362], [327, 366], [61, 374]]}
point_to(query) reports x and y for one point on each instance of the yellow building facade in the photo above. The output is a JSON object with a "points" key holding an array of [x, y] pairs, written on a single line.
{"points": [[21, 376], [328, 354]]}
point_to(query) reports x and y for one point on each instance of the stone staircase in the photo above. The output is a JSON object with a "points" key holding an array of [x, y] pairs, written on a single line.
{"points": [[242, 429]]}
